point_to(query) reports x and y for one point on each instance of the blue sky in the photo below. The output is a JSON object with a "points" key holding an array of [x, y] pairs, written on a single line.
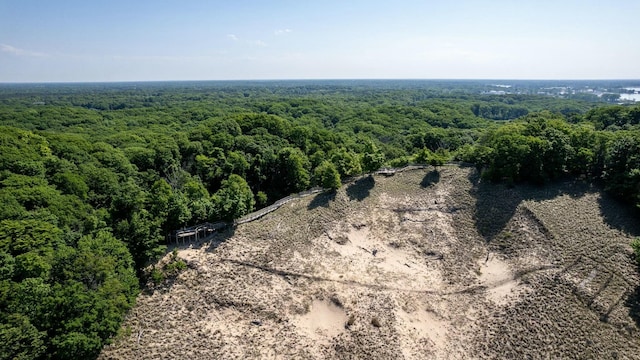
{"points": [[116, 40]]}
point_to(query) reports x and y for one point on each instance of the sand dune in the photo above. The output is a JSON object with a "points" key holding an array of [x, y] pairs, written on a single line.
{"points": [[401, 267]]}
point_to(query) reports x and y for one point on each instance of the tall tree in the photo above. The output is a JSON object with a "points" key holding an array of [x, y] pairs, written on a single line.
{"points": [[327, 176], [293, 170], [234, 199]]}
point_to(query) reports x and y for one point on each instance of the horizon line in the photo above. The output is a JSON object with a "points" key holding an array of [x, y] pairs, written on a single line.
{"points": [[304, 79]]}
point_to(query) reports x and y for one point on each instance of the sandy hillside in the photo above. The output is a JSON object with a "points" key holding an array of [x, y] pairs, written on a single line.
{"points": [[424, 264]]}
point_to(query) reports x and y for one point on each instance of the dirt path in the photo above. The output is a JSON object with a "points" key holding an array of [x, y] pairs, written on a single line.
{"points": [[414, 266]]}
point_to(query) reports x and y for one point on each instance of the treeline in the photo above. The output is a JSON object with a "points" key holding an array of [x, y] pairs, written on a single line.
{"points": [[92, 180], [602, 145]]}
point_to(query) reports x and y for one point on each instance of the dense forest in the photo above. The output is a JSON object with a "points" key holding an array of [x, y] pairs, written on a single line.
{"points": [[93, 177]]}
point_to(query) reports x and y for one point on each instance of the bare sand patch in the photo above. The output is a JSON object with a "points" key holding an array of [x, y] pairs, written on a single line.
{"points": [[494, 270], [324, 321], [426, 324], [499, 279]]}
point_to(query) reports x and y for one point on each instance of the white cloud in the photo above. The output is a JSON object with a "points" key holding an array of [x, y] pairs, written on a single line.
{"points": [[20, 52], [282, 31], [232, 37]]}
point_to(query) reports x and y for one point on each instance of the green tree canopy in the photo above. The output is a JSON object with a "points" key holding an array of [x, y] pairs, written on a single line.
{"points": [[327, 176], [234, 199]]}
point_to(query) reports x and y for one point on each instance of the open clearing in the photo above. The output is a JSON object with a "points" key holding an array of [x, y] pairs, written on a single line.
{"points": [[424, 264]]}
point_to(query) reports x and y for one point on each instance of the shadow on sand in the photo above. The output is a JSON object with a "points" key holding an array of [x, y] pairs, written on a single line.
{"points": [[361, 189], [633, 303], [322, 200], [619, 215], [496, 203], [624, 217], [430, 179]]}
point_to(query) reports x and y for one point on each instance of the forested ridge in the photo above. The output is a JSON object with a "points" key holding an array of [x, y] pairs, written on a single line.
{"points": [[94, 176]]}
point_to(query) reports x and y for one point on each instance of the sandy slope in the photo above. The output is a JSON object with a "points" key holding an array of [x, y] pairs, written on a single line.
{"points": [[423, 264]]}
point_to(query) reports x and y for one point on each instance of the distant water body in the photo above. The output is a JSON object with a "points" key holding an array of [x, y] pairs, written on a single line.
{"points": [[632, 97]]}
